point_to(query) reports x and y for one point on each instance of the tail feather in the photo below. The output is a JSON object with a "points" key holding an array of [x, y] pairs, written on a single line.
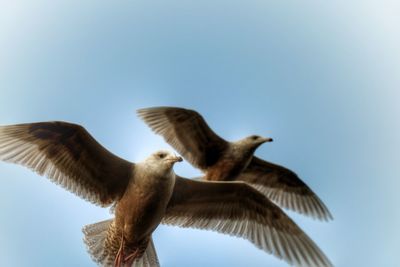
{"points": [[149, 258], [95, 240], [102, 244]]}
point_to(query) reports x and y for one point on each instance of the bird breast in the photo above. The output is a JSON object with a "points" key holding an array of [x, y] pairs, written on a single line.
{"points": [[229, 166], [143, 205]]}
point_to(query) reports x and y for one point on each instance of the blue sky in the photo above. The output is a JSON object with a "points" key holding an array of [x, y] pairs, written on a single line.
{"points": [[321, 78]]}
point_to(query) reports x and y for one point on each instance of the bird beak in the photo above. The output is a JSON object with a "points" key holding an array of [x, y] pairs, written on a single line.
{"points": [[266, 140], [176, 159]]}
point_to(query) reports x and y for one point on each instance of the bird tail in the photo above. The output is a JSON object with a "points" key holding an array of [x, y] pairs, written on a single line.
{"points": [[103, 242]]}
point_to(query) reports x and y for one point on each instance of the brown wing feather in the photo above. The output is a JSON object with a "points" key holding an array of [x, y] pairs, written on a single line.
{"points": [[187, 132], [69, 156], [285, 188], [237, 209]]}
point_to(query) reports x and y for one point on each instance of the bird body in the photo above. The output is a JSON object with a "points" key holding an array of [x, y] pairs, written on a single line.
{"points": [[143, 205], [230, 165]]}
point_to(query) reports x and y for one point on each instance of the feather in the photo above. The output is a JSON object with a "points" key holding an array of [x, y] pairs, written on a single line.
{"points": [[237, 209], [68, 155]]}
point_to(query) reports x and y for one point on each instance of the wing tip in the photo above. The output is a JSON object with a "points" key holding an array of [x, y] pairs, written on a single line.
{"points": [[310, 206], [153, 109], [146, 113]]}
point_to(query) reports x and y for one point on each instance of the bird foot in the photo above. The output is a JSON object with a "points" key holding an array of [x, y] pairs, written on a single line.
{"points": [[131, 254], [128, 260]]}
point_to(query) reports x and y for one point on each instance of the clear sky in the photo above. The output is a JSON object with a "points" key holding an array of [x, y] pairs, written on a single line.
{"points": [[320, 77]]}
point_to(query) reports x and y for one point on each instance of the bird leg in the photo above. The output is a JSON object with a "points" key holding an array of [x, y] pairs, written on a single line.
{"points": [[126, 261], [120, 255], [131, 257], [137, 252]]}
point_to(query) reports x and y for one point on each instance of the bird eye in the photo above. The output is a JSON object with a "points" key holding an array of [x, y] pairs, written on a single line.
{"points": [[161, 155], [254, 137]]}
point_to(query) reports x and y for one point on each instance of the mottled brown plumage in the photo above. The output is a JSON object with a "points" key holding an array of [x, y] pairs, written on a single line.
{"points": [[148, 193], [220, 160], [69, 156], [238, 209]]}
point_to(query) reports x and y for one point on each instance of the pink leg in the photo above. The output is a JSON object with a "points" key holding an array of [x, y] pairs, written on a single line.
{"points": [[137, 252], [128, 260], [120, 255]]}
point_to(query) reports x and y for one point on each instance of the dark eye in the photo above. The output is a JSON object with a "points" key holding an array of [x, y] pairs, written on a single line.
{"points": [[254, 137], [162, 155]]}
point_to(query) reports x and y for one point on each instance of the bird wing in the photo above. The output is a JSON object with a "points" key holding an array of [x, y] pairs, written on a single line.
{"points": [[187, 132], [68, 155], [285, 188], [237, 209]]}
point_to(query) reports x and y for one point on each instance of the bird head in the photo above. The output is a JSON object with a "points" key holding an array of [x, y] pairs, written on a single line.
{"points": [[252, 142], [163, 159]]}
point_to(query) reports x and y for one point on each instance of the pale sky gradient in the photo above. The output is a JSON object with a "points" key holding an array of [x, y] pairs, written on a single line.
{"points": [[321, 78]]}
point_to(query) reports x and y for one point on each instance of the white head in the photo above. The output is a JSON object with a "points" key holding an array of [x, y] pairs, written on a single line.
{"points": [[252, 142], [161, 162]]}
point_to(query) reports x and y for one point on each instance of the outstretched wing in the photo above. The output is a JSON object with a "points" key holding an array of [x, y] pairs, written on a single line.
{"points": [[187, 132], [68, 155], [285, 188], [237, 209]]}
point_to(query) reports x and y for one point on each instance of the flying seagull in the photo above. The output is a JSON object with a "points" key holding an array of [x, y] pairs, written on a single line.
{"points": [[148, 193], [220, 160]]}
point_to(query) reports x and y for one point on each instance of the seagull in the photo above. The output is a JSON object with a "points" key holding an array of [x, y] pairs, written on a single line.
{"points": [[148, 193], [220, 160]]}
